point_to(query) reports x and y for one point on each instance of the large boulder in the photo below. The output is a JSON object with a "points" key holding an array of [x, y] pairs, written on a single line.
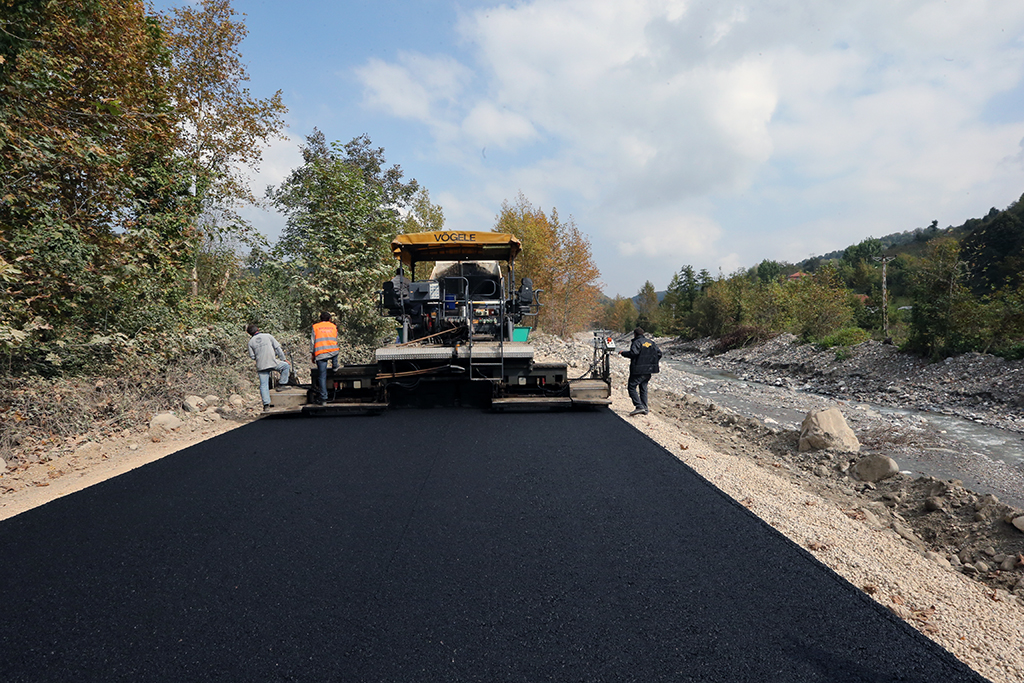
{"points": [[827, 430], [874, 468]]}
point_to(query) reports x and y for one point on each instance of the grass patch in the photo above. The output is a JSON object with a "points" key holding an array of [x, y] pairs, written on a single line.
{"points": [[846, 337]]}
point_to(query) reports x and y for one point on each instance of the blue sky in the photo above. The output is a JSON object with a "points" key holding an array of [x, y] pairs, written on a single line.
{"points": [[673, 132]]}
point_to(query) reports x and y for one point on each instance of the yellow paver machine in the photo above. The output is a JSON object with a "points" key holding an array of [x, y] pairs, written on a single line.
{"points": [[462, 336]]}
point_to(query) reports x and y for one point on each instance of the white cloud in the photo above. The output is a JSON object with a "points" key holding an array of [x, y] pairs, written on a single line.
{"points": [[679, 237], [487, 125], [844, 119], [414, 88]]}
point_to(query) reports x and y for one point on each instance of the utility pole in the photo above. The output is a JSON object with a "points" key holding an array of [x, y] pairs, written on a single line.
{"points": [[885, 293]]}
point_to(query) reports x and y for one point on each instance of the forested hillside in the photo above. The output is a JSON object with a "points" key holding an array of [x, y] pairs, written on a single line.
{"points": [[934, 291]]}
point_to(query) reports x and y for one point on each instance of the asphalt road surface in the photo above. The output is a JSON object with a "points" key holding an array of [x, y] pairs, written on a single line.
{"points": [[431, 545]]}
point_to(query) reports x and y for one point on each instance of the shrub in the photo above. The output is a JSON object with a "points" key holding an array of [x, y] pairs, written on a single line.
{"points": [[848, 336], [745, 335]]}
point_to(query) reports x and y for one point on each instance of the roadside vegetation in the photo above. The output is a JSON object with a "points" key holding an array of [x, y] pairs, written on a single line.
{"points": [[129, 274], [125, 142], [945, 292]]}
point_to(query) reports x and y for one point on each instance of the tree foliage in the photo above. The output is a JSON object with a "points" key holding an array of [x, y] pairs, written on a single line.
{"points": [[423, 215], [864, 251], [809, 307], [647, 308], [944, 318], [994, 253], [395, 193], [335, 249], [222, 127], [769, 271], [573, 301], [93, 206], [619, 314], [535, 231], [557, 256]]}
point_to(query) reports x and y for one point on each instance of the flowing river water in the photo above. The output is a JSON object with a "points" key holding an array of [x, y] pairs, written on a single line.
{"points": [[987, 459]]}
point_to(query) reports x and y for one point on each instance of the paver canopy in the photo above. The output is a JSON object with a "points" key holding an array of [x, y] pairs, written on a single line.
{"points": [[455, 245]]}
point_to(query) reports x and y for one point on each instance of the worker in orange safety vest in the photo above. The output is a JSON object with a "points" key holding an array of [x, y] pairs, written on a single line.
{"points": [[323, 346]]}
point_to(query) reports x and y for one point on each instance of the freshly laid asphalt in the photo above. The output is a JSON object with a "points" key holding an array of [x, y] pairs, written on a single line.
{"points": [[431, 545]]}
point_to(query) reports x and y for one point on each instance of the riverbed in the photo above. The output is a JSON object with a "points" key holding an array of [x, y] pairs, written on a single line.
{"points": [[986, 459]]}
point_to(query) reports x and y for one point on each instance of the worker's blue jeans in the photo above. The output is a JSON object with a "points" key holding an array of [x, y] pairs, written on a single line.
{"points": [[285, 371], [321, 366]]}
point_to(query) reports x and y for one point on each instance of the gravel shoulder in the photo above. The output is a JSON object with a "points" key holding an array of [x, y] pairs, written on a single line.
{"points": [[61, 469], [879, 537]]}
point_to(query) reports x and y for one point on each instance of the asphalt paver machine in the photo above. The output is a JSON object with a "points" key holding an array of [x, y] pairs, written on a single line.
{"points": [[462, 335]]}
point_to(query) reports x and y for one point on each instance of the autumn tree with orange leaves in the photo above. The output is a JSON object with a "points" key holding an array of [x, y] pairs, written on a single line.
{"points": [[557, 257]]}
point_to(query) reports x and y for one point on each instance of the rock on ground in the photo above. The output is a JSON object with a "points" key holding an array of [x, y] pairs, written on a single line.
{"points": [[827, 430]]}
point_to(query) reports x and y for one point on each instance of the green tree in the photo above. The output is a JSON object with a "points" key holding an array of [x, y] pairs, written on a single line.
{"points": [[864, 277], [619, 314], [672, 305], [336, 245], [714, 312], [864, 251], [945, 318], [773, 306], [822, 304], [223, 128], [769, 271], [704, 279], [647, 308], [994, 253], [395, 193], [1006, 311], [677, 303], [92, 211], [423, 216], [690, 287]]}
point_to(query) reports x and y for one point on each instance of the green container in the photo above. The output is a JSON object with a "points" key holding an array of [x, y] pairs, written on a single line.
{"points": [[520, 334]]}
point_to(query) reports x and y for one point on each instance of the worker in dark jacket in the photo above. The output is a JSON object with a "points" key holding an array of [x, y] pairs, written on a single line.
{"points": [[643, 357]]}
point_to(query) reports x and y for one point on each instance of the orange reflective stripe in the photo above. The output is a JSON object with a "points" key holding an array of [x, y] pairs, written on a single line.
{"points": [[325, 337]]}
